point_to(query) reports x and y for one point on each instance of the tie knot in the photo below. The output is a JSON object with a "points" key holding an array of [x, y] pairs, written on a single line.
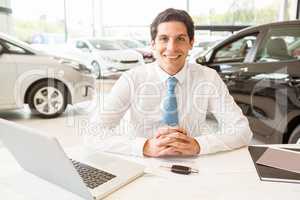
{"points": [[171, 83]]}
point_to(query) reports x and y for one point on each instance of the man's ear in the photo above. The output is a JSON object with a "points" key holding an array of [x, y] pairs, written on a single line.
{"points": [[152, 44], [192, 43]]}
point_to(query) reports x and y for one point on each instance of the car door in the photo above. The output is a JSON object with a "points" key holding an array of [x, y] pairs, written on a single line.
{"points": [[234, 62], [231, 57], [261, 82], [273, 78], [8, 71]]}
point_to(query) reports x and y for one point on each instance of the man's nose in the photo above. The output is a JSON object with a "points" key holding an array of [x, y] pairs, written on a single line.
{"points": [[171, 45]]}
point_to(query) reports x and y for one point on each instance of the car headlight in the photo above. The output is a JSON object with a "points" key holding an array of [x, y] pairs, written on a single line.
{"points": [[112, 69], [82, 68], [77, 65]]}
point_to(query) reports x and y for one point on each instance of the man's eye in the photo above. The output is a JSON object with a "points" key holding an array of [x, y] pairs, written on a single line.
{"points": [[181, 39], [163, 39]]}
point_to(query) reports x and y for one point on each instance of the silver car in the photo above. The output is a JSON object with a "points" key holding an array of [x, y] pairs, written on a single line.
{"points": [[109, 57], [46, 83]]}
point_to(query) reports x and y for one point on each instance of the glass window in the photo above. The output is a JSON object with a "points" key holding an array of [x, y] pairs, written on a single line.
{"points": [[235, 51], [241, 12], [81, 45], [131, 44], [13, 49], [280, 45], [105, 45]]}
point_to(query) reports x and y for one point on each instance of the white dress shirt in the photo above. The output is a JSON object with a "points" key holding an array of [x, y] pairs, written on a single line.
{"points": [[137, 98]]}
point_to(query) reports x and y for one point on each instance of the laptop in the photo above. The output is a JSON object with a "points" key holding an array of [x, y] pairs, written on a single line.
{"points": [[267, 173], [93, 177]]}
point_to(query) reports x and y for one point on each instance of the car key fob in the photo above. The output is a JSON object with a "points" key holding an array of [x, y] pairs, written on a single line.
{"points": [[180, 169]]}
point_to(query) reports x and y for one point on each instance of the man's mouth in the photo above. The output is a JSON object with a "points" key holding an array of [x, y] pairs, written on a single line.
{"points": [[172, 57]]}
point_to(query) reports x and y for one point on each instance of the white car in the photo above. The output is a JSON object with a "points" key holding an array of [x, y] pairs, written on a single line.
{"points": [[109, 56], [70, 52], [47, 83], [139, 47]]}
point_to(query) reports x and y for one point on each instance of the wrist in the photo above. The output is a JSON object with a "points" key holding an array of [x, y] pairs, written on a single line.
{"points": [[145, 148], [198, 148]]}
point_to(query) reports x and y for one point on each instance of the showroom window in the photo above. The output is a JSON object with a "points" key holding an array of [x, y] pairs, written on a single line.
{"points": [[241, 12], [235, 51], [280, 45]]}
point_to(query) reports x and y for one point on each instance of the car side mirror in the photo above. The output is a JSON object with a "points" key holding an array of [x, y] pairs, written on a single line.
{"points": [[201, 60]]}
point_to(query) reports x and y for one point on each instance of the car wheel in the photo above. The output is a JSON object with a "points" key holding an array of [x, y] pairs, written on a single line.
{"points": [[97, 69], [295, 135], [47, 99]]}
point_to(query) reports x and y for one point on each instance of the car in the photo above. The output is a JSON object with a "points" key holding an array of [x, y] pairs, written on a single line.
{"points": [[139, 47], [70, 52], [202, 44], [261, 67], [109, 56], [54, 44], [46, 83]]}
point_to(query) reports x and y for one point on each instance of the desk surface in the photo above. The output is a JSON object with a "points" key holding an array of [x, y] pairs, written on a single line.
{"points": [[228, 175]]}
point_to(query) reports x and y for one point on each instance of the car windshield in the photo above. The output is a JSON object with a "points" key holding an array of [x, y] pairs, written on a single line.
{"points": [[130, 44], [19, 43], [105, 45]]}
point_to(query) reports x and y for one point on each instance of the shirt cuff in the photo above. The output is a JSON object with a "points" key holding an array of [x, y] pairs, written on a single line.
{"points": [[204, 148], [137, 146]]}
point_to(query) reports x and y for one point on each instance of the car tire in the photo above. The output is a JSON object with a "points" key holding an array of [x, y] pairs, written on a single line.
{"points": [[295, 135], [47, 105], [97, 69]]}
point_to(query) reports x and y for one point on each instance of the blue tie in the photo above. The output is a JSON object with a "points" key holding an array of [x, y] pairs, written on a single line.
{"points": [[170, 115]]}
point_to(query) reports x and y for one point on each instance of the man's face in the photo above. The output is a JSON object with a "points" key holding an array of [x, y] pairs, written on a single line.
{"points": [[171, 46]]}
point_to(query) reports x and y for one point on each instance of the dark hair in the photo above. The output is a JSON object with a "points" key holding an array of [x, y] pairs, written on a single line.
{"points": [[172, 14]]}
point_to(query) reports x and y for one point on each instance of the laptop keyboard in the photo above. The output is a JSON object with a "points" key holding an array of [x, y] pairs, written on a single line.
{"points": [[91, 176]]}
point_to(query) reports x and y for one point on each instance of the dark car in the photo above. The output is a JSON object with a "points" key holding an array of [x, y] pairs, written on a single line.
{"points": [[261, 67]]}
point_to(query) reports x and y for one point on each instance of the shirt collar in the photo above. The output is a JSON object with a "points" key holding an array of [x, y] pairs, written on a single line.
{"points": [[180, 76]]}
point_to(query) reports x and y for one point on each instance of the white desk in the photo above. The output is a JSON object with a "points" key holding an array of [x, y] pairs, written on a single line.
{"points": [[229, 175]]}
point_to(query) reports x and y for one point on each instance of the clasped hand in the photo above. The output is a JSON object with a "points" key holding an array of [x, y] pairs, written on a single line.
{"points": [[171, 141]]}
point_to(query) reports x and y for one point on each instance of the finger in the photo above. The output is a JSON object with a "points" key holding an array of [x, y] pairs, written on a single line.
{"points": [[180, 136], [179, 145], [181, 130], [186, 148], [185, 152], [178, 129], [164, 141], [170, 151], [164, 131], [170, 129]]}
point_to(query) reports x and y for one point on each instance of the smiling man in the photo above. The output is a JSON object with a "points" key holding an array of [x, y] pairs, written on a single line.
{"points": [[166, 102]]}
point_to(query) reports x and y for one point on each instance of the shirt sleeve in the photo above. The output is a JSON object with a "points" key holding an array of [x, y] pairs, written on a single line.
{"points": [[233, 128], [109, 131]]}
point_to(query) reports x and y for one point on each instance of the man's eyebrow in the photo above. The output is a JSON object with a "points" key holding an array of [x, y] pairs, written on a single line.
{"points": [[183, 34], [179, 35], [162, 35]]}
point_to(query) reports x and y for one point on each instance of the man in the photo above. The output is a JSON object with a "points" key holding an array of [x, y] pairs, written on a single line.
{"points": [[166, 102]]}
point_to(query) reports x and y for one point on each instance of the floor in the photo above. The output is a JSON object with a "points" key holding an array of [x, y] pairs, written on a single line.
{"points": [[68, 127]]}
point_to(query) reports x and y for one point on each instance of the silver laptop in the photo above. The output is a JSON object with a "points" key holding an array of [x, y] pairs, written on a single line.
{"points": [[93, 177]]}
